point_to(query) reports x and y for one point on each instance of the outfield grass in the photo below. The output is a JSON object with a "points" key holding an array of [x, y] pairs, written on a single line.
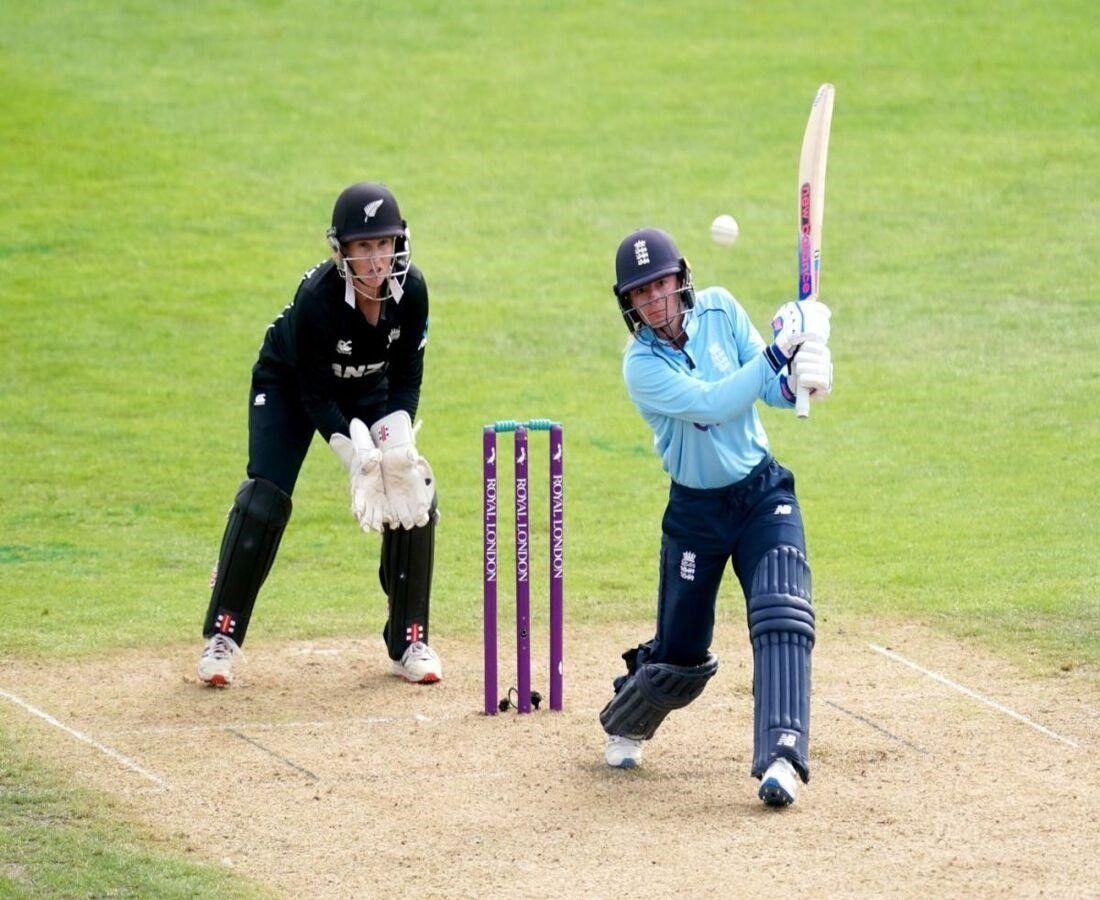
{"points": [[169, 169]]}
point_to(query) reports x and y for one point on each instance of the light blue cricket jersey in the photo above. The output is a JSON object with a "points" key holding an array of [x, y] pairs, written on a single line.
{"points": [[700, 401]]}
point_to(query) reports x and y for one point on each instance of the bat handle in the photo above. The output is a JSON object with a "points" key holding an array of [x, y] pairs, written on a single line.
{"points": [[802, 403]]}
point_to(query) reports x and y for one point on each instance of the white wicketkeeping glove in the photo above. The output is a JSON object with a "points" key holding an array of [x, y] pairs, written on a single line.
{"points": [[812, 368], [409, 482], [364, 462]]}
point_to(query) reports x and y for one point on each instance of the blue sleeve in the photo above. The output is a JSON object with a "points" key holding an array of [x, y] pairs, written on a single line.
{"points": [[751, 345], [656, 386]]}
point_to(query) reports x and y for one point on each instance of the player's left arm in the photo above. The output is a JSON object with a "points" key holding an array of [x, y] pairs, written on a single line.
{"points": [[406, 369]]}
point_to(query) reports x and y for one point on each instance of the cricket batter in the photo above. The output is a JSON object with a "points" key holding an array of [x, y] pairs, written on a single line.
{"points": [[695, 367], [345, 358]]}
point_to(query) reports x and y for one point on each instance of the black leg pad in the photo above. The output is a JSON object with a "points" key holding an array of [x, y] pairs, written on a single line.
{"points": [[253, 530], [408, 557]]}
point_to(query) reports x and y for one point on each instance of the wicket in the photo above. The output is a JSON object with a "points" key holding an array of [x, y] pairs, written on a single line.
{"points": [[523, 590]]}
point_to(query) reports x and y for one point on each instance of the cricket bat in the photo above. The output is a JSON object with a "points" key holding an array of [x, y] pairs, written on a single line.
{"points": [[811, 208]]}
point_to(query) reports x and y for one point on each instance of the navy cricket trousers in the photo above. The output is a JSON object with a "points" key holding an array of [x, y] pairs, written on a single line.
{"points": [[702, 530]]}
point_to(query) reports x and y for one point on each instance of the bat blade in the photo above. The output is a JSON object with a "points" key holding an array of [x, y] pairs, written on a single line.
{"points": [[811, 207]]}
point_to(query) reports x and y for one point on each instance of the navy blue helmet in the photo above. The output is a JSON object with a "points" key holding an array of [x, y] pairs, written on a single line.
{"points": [[644, 256]]}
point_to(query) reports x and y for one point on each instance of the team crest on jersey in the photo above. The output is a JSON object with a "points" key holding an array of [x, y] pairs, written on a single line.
{"points": [[719, 358], [343, 347], [395, 333], [371, 209], [641, 253]]}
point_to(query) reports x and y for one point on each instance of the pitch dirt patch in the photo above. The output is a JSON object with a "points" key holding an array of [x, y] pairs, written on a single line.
{"points": [[321, 775]]}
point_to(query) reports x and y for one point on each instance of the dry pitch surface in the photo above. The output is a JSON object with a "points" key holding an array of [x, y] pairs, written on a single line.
{"points": [[319, 774]]}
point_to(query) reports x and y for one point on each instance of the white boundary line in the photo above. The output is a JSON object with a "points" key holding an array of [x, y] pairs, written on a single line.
{"points": [[102, 748], [974, 695]]}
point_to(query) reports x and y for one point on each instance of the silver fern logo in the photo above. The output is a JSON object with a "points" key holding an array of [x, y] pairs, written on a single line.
{"points": [[371, 209]]}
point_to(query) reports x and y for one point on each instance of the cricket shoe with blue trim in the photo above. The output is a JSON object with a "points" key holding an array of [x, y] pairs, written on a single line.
{"points": [[779, 786], [622, 752]]}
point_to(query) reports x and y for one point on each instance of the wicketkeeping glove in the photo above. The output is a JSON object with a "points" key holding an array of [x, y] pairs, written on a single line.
{"points": [[364, 462], [408, 479]]}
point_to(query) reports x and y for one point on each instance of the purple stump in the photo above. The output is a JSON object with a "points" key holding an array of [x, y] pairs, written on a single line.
{"points": [[557, 564], [489, 560], [523, 584]]}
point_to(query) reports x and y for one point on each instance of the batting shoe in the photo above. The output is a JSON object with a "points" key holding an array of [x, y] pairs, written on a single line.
{"points": [[216, 662], [622, 752], [779, 786], [419, 664]]}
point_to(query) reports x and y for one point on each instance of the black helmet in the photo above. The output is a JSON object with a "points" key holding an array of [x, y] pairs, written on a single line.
{"points": [[366, 210], [369, 210], [644, 256]]}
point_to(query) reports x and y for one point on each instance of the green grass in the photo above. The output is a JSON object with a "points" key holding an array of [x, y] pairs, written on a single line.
{"points": [[60, 841], [169, 169]]}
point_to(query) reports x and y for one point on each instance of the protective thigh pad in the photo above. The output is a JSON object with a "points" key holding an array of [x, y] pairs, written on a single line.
{"points": [[781, 626], [648, 695], [408, 556], [254, 528]]}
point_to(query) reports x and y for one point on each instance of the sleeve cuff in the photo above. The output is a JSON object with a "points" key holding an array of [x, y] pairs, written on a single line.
{"points": [[775, 357]]}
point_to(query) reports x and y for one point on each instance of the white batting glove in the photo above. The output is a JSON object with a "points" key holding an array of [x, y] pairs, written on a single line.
{"points": [[794, 323], [364, 463], [812, 368], [408, 479]]}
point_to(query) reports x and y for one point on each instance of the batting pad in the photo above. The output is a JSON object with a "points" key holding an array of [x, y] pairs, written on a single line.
{"points": [[252, 533], [781, 627], [651, 693]]}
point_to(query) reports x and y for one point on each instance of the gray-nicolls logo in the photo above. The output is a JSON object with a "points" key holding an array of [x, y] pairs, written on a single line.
{"points": [[641, 253], [343, 347], [370, 209], [260, 400]]}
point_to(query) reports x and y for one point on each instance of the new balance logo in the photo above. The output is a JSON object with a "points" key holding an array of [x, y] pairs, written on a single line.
{"points": [[687, 566], [641, 253], [370, 209], [783, 509], [786, 739]]}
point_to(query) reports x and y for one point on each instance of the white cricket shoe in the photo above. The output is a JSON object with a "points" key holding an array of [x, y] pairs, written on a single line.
{"points": [[622, 752], [216, 662], [779, 786], [419, 664]]}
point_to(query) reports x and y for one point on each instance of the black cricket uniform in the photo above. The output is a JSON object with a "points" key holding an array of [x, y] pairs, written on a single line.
{"points": [[322, 364]]}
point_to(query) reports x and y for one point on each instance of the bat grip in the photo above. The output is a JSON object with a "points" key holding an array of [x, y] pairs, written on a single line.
{"points": [[802, 403]]}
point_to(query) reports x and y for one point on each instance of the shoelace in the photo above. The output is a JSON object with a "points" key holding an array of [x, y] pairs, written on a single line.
{"points": [[420, 651], [220, 647]]}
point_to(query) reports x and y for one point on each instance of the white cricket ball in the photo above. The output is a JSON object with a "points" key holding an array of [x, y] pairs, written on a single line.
{"points": [[724, 230]]}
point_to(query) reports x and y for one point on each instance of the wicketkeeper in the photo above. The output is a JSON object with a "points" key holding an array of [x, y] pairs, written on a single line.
{"points": [[345, 358], [695, 367]]}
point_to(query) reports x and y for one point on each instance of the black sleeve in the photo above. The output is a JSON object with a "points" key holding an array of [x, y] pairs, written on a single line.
{"points": [[406, 370], [314, 373]]}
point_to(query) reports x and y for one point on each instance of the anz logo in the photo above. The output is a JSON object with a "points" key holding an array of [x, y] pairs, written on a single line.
{"points": [[356, 371]]}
